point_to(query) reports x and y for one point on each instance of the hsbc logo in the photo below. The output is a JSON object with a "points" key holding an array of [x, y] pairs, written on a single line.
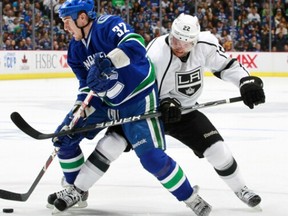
{"points": [[247, 60], [189, 82], [63, 61]]}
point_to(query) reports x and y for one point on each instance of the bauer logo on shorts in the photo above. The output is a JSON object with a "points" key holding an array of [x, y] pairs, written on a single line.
{"points": [[189, 82]]}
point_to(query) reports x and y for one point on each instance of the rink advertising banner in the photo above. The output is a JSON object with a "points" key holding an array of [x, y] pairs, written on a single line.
{"points": [[34, 64], [53, 64], [264, 63]]}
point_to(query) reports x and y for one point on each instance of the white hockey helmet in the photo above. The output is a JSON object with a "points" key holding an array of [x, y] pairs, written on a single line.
{"points": [[185, 28]]}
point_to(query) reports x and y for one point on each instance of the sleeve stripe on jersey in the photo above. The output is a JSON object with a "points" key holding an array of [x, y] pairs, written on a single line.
{"points": [[150, 44], [218, 74], [165, 73], [211, 44], [134, 36]]}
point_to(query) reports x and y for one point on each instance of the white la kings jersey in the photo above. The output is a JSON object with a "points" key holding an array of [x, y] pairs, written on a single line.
{"points": [[184, 80]]}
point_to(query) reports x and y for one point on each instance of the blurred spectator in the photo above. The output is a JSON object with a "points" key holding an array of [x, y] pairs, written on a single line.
{"points": [[244, 45], [165, 4], [9, 19], [265, 38], [222, 16], [45, 41], [278, 16], [280, 42], [118, 3], [181, 7], [228, 45], [28, 43], [240, 34], [8, 45], [200, 13], [281, 28], [225, 37], [253, 41], [253, 15], [166, 21], [258, 48], [159, 27], [147, 38]]}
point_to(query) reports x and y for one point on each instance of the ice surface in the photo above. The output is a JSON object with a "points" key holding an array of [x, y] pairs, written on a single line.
{"points": [[257, 138]]}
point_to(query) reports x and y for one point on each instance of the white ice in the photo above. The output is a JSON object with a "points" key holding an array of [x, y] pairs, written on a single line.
{"points": [[258, 139]]}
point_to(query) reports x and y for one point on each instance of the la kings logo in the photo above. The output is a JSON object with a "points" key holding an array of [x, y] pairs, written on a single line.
{"points": [[188, 82]]}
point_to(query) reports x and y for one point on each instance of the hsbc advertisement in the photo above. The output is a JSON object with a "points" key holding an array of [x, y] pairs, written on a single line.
{"points": [[53, 64], [50, 63]]}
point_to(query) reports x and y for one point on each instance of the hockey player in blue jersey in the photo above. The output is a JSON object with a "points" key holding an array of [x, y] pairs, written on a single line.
{"points": [[110, 59]]}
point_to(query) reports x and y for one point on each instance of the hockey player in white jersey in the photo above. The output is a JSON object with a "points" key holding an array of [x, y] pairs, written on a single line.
{"points": [[180, 59], [124, 85]]}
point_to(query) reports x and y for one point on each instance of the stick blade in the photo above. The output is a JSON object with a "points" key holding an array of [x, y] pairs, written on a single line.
{"points": [[8, 195], [24, 126]]}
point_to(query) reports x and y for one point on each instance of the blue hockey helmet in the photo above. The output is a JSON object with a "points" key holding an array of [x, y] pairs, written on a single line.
{"points": [[73, 7]]}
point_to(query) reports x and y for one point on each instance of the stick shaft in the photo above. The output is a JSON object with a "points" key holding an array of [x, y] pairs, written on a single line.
{"points": [[22, 197], [9, 195], [26, 128], [81, 109]]}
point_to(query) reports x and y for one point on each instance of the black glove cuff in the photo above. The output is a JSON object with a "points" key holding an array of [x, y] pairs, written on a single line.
{"points": [[251, 80], [171, 102]]}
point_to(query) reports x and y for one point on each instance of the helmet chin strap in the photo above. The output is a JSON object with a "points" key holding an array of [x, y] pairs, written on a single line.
{"points": [[82, 28]]}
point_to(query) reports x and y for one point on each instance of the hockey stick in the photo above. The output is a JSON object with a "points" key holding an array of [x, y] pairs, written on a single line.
{"points": [[9, 195], [29, 130]]}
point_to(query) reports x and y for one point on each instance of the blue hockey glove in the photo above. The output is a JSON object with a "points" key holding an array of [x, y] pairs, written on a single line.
{"points": [[69, 140], [251, 90], [104, 64], [170, 110], [99, 74]]}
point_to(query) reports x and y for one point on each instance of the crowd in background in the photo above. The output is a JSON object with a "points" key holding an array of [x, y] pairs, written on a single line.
{"points": [[243, 25]]}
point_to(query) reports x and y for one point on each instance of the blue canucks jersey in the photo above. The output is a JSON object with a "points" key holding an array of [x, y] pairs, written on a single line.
{"points": [[128, 83]]}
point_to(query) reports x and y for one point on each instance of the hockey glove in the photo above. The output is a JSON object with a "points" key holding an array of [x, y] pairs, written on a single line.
{"points": [[170, 110], [104, 64], [99, 74], [69, 140], [251, 89]]}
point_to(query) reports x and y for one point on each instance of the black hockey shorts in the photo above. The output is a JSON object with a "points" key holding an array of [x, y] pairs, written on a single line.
{"points": [[195, 131]]}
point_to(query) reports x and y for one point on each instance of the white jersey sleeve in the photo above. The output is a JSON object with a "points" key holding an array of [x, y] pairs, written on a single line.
{"points": [[219, 62]]}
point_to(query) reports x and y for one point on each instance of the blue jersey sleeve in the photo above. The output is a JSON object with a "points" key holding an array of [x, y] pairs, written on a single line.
{"points": [[120, 35]]}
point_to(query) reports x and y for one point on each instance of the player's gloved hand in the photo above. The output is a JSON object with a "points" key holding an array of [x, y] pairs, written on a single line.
{"points": [[170, 110], [69, 140], [251, 89], [104, 64], [99, 74]]}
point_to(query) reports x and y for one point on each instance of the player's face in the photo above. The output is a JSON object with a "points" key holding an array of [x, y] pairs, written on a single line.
{"points": [[70, 26], [179, 48]]}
